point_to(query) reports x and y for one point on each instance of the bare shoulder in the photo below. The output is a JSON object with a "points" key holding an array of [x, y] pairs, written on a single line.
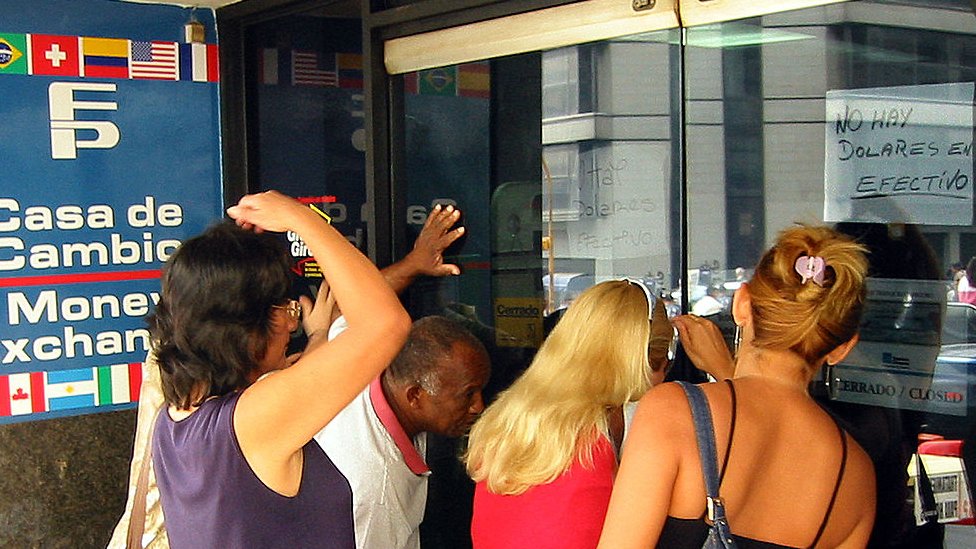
{"points": [[859, 470], [854, 513], [663, 398], [663, 411]]}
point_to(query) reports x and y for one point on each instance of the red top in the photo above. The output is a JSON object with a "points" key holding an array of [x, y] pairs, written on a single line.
{"points": [[966, 292], [567, 513]]}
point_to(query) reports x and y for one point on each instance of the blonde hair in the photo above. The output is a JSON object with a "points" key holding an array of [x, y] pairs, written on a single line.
{"points": [[595, 358], [805, 317]]}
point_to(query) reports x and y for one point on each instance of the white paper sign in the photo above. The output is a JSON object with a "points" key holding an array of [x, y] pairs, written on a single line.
{"points": [[896, 363], [902, 154], [626, 216]]}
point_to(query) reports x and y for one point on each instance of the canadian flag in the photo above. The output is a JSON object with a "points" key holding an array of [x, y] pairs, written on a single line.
{"points": [[22, 394]]}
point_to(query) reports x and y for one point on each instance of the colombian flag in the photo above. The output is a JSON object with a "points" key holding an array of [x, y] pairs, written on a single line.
{"points": [[106, 57], [350, 67]]}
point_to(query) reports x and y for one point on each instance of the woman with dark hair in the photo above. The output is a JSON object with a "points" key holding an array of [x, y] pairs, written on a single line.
{"points": [[232, 449], [790, 475]]}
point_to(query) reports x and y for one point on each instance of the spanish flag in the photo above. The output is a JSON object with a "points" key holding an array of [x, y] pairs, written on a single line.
{"points": [[474, 80]]}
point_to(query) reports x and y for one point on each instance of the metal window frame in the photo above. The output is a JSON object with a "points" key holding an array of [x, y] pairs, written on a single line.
{"points": [[520, 32], [706, 12], [404, 29], [385, 164], [553, 27]]}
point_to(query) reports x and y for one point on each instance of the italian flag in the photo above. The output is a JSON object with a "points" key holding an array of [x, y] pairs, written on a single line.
{"points": [[118, 383]]}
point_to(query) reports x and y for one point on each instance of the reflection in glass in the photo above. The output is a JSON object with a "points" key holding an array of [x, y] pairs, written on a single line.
{"points": [[608, 149], [580, 192], [846, 114]]}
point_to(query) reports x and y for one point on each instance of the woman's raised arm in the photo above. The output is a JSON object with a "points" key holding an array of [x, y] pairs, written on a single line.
{"points": [[281, 412]]}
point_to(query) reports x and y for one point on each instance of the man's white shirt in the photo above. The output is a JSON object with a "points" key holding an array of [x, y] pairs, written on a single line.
{"points": [[384, 467]]}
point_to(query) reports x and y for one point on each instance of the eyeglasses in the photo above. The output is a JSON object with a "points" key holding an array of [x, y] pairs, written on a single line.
{"points": [[293, 308]]}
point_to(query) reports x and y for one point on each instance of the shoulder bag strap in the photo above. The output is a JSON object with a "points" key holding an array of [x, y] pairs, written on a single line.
{"points": [[137, 518], [705, 433]]}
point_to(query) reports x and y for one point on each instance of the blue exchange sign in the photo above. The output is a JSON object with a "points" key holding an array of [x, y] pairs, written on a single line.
{"points": [[102, 179]]}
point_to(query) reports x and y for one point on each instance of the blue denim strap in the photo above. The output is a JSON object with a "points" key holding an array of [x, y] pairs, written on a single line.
{"points": [[705, 433]]}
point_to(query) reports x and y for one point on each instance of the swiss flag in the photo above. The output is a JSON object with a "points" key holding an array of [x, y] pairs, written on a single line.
{"points": [[55, 55]]}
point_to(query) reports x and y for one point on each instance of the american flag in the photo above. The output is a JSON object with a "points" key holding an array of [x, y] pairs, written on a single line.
{"points": [[155, 60], [305, 69]]}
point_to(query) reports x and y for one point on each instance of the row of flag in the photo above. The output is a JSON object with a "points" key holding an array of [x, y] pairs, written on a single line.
{"points": [[38, 392], [311, 68], [345, 70], [54, 55], [465, 80]]}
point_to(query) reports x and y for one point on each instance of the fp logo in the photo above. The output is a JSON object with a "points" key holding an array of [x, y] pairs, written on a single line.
{"points": [[65, 140]]}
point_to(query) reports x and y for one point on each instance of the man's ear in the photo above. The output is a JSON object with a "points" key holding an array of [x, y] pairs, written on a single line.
{"points": [[840, 352], [413, 393], [742, 305]]}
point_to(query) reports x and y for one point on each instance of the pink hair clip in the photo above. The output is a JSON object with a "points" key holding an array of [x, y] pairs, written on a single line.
{"points": [[810, 268]]}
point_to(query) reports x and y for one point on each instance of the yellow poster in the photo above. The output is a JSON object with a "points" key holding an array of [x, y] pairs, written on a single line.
{"points": [[518, 321]]}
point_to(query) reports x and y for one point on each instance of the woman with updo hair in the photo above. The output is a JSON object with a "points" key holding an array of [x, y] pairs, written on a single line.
{"points": [[789, 474]]}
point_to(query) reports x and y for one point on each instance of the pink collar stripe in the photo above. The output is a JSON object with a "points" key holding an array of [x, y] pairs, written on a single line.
{"points": [[415, 462]]}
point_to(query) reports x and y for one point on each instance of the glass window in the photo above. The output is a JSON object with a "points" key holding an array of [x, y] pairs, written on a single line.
{"points": [[562, 162], [573, 165], [858, 115], [306, 135], [561, 88]]}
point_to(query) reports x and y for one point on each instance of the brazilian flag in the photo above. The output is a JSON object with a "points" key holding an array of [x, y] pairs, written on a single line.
{"points": [[440, 81], [13, 54]]}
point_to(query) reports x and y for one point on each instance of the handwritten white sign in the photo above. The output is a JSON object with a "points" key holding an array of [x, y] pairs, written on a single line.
{"points": [[626, 216], [900, 154]]}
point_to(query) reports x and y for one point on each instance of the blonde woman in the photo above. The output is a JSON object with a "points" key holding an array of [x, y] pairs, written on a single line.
{"points": [[790, 475], [544, 454]]}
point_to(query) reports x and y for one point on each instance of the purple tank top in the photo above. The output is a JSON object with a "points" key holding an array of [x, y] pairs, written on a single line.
{"points": [[211, 498]]}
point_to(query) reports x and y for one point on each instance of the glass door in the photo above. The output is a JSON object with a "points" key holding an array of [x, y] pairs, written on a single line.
{"points": [[563, 160], [562, 155], [858, 115], [675, 149]]}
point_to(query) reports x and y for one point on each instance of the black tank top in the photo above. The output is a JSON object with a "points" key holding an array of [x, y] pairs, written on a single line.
{"points": [[680, 533]]}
